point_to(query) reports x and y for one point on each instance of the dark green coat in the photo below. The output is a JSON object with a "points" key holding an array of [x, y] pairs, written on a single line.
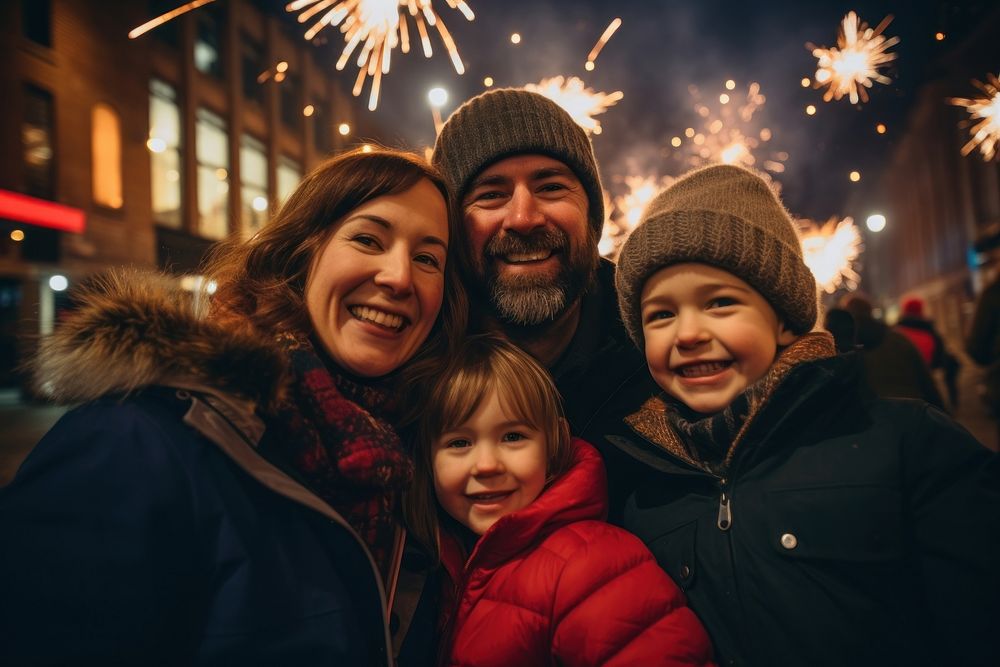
{"points": [[862, 531]]}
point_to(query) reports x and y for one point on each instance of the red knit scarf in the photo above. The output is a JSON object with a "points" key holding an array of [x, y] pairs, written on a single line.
{"points": [[339, 441]]}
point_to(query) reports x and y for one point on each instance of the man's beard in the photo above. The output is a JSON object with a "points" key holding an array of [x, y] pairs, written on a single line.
{"points": [[532, 300]]}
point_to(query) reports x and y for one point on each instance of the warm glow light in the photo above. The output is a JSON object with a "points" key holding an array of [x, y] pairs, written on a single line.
{"points": [[344, 129], [163, 18], [488, 81], [589, 65], [939, 36], [602, 40], [730, 84], [17, 236], [281, 67], [829, 250], [806, 82], [366, 149], [851, 67], [221, 174], [810, 110], [308, 110], [675, 142], [875, 222], [855, 176], [880, 128], [279, 77], [156, 145], [438, 97], [580, 102], [724, 99], [689, 132], [259, 203], [515, 38], [58, 283]]}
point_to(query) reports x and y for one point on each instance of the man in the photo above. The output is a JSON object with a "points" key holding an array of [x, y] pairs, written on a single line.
{"points": [[528, 188]]}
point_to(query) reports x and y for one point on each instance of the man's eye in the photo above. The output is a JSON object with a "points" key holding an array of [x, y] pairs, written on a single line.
{"points": [[552, 187], [489, 195]]}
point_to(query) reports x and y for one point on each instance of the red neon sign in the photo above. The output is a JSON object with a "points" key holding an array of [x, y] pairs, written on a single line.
{"points": [[34, 211]]}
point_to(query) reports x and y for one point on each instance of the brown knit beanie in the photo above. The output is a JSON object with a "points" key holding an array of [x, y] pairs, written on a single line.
{"points": [[509, 121], [726, 217]]}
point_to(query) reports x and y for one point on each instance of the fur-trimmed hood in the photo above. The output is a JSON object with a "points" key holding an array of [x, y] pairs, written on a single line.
{"points": [[131, 329]]}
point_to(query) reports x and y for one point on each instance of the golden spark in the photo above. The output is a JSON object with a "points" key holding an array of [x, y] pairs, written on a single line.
{"points": [[851, 67], [378, 27], [610, 30], [729, 134], [580, 102], [623, 216], [984, 121], [168, 16], [830, 250]]}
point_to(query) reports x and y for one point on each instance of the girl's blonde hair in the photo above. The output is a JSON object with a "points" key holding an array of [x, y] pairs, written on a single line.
{"points": [[482, 364]]}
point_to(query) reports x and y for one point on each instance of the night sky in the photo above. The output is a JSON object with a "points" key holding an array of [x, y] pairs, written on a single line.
{"points": [[664, 47]]}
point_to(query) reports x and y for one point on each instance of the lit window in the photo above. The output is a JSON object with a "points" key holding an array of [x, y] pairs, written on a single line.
{"points": [[36, 139], [289, 174], [106, 151], [253, 186], [212, 154], [164, 144], [208, 43]]}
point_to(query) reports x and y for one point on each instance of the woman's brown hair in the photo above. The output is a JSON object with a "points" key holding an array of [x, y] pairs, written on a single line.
{"points": [[481, 365], [261, 281]]}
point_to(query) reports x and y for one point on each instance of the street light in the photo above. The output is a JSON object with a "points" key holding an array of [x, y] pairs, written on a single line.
{"points": [[875, 222], [438, 97]]}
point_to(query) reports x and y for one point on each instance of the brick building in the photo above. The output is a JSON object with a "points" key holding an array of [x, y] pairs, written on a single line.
{"points": [[146, 151]]}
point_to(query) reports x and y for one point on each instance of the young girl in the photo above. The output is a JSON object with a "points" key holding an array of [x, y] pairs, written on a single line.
{"points": [[513, 509]]}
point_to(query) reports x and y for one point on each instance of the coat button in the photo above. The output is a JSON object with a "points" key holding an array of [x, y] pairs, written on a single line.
{"points": [[685, 571], [789, 541]]}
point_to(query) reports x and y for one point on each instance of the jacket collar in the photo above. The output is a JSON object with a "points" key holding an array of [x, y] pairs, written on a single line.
{"points": [[789, 369]]}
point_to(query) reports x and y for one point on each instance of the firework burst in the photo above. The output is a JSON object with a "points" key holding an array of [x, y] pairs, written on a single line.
{"points": [[168, 16], [624, 214], [852, 67], [830, 250], [984, 123], [378, 27], [728, 133], [580, 102]]}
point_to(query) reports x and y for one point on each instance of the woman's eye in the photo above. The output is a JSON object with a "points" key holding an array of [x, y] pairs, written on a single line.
{"points": [[429, 260], [366, 240]]}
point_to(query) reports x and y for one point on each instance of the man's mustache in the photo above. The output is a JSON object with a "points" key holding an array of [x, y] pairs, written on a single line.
{"points": [[510, 243]]}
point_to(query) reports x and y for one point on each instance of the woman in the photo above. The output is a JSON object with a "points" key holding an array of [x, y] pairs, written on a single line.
{"points": [[226, 493]]}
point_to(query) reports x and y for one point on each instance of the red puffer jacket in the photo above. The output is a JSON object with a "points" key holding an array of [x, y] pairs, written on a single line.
{"points": [[554, 584]]}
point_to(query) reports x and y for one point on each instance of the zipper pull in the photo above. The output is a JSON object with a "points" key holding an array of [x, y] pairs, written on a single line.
{"points": [[725, 515]]}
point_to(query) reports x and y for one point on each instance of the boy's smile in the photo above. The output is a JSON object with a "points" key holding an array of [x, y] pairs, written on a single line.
{"points": [[709, 335]]}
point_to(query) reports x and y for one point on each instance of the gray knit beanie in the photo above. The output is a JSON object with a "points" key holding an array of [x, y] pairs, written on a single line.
{"points": [[509, 121], [726, 217]]}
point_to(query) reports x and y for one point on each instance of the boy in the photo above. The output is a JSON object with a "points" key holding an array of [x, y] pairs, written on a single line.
{"points": [[808, 523]]}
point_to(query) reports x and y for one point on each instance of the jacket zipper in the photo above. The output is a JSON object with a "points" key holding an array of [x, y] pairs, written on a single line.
{"points": [[725, 520]]}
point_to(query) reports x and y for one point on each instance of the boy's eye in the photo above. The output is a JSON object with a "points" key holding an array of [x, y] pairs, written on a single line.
{"points": [[722, 302]]}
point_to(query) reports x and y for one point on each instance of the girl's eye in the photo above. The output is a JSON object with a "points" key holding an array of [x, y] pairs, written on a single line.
{"points": [[660, 315], [458, 443], [513, 436]]}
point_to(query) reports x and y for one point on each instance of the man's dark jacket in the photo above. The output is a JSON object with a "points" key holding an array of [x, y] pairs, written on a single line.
{"points": [[862, 531]]}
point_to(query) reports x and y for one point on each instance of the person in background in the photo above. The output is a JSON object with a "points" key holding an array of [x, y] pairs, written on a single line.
{"points": [[807, 523], [840, 324], [920, 330], [983, 345], [893, 366], [227, 491], [514, 509]]}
